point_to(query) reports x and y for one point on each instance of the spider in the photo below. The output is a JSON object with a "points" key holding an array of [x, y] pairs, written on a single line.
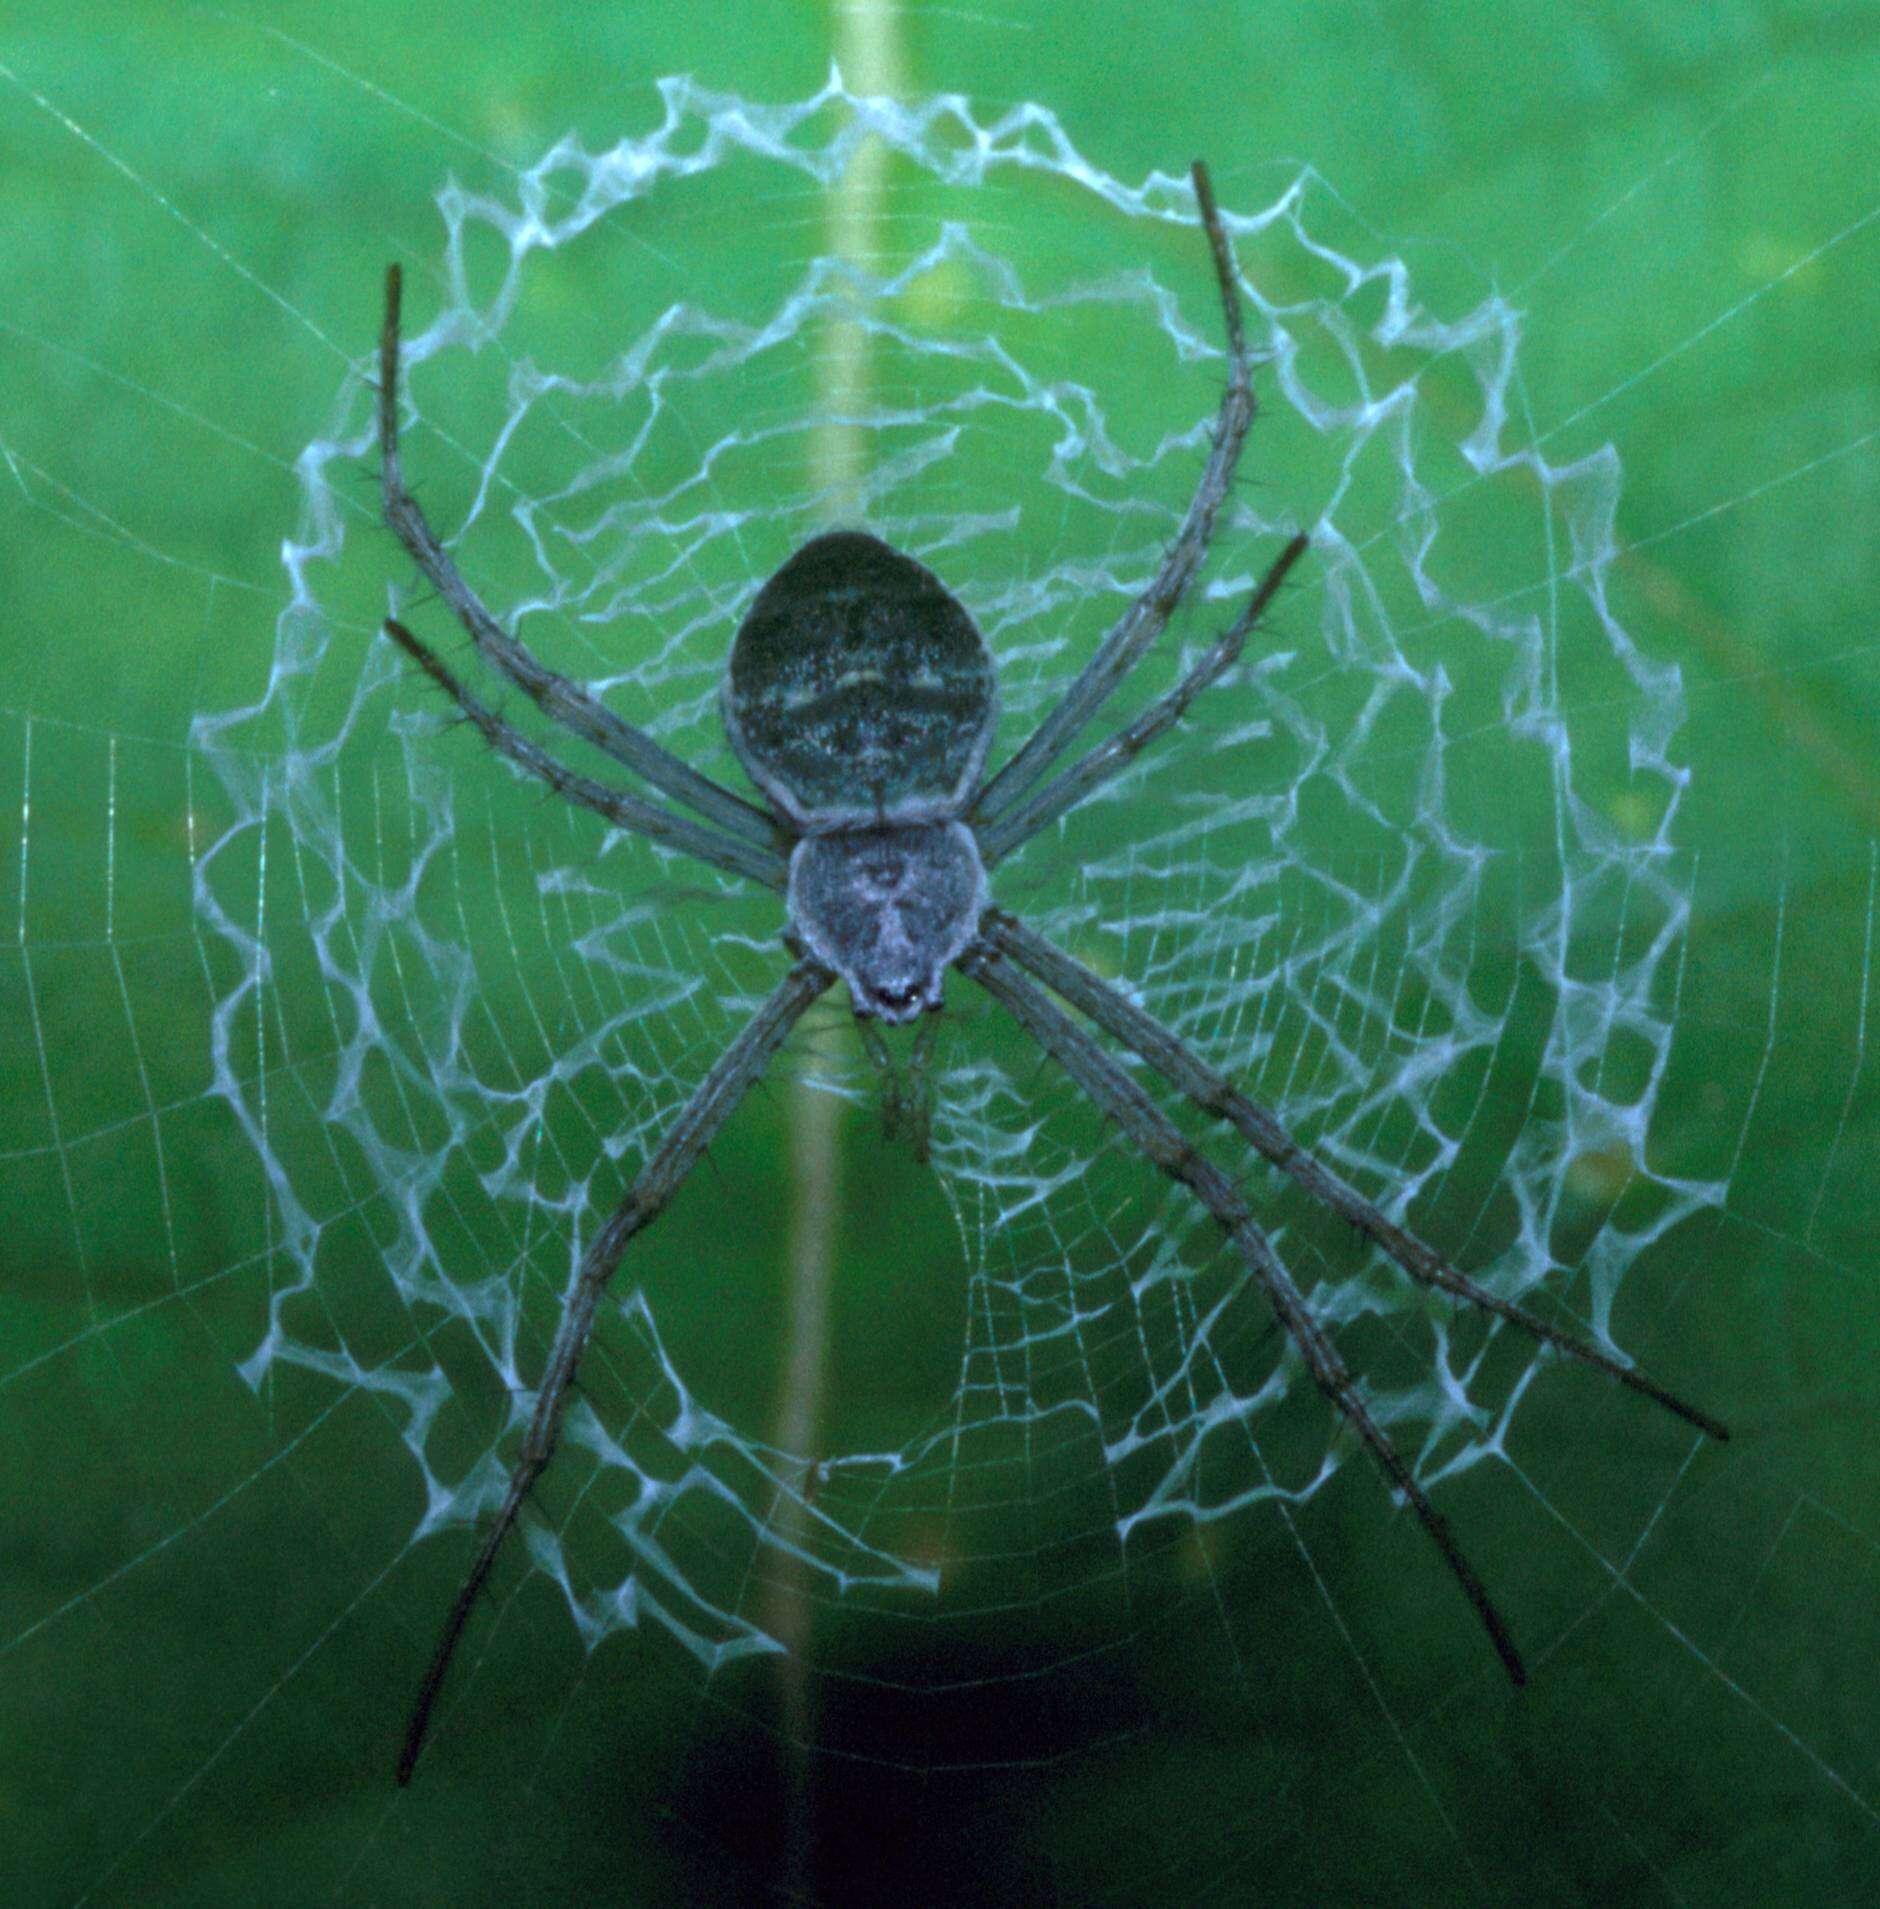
{"points": [[861, 700]]}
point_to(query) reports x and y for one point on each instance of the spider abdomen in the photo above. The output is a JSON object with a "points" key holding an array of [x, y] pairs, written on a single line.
{"points": [[859, 690], [888, 910]]}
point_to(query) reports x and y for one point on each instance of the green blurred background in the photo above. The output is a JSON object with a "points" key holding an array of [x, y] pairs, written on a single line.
{"points": [[209, 1605]]}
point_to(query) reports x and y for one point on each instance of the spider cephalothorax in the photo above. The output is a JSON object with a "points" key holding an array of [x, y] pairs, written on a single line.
{"points": [[890, 910], [861, 700]]}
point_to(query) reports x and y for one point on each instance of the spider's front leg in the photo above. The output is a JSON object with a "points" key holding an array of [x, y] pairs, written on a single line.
{"points": [[733, 1076], [1208, 1090], [1112, 1090]]}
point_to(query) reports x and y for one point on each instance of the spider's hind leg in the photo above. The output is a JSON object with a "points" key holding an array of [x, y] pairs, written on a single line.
{"points": [[1132, 636], [560, 699]]}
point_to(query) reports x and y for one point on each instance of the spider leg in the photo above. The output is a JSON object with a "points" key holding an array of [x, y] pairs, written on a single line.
{"points": [[1132, 635], [558, 699], [626, 811], [906, 1100], [1025, 818], [1185, 1070], [918, 1115], [1144, 1123], [894, 1107], [732, 1076]]}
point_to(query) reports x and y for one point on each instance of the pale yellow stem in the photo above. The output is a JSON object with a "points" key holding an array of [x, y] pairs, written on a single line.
{"points": [[869, 59]]}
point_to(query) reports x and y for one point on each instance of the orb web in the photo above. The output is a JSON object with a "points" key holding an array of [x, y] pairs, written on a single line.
{"points": [[1407, 874]]}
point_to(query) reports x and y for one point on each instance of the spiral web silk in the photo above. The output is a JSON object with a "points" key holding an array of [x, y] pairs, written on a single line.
{"points": [[1389, 879]]}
